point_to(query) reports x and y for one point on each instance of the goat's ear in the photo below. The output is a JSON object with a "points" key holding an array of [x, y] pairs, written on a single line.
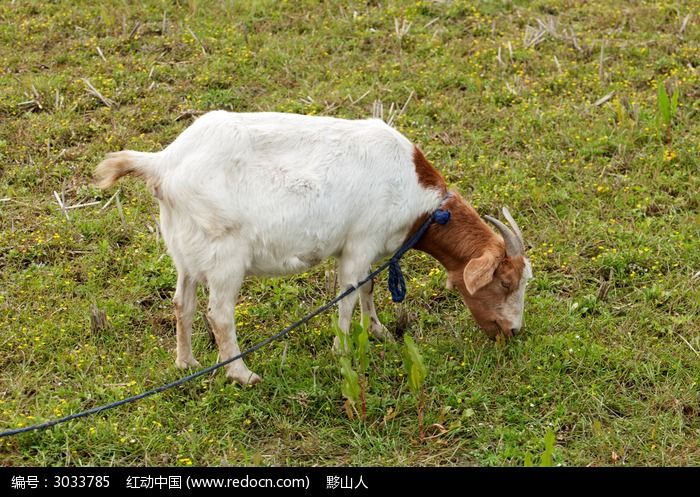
{"points": [[479, 272]]}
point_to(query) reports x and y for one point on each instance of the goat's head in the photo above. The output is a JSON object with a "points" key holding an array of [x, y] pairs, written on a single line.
{"points": [[493, 283]]}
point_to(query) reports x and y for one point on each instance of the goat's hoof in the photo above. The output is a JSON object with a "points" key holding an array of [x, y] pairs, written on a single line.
{"points": [[244, 378], [190, 362], [380, 332]]}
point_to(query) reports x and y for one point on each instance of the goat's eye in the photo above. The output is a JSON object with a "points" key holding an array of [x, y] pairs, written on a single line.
{"points": [[505, 285]]}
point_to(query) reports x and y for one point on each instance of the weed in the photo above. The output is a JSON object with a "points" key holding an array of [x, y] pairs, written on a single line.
{"points": [[416, 372], [353, 365], [666, 111], [546, 458]]}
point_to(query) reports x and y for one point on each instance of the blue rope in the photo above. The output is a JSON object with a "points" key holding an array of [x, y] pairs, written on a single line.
{"points": [[440, 216], [397, 283]]}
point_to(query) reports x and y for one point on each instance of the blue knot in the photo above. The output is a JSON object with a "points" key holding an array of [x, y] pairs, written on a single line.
{"points": [[441, 216], [397, 284]]}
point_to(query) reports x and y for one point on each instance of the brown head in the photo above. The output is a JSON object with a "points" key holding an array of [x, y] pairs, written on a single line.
{"points": [[493, 282], [490, 271]]}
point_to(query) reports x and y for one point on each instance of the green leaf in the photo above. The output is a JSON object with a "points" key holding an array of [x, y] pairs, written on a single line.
{"points": [[359, 340], [664, 104], [362, 341], [413, 365], [350, 386], [674, 102], [546, 459]]}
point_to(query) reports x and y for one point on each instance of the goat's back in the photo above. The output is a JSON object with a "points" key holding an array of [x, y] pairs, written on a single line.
{"points": [[290, 189]]}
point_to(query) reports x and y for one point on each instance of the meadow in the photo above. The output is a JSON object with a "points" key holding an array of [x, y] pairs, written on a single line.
{"points": [[581, 117]]}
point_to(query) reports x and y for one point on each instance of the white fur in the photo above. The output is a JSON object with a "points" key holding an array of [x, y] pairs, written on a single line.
{"points": [[272, 194], [514, 306]]}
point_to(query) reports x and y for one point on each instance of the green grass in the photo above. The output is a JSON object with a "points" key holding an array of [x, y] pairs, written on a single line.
{"points": [[609, 202]]}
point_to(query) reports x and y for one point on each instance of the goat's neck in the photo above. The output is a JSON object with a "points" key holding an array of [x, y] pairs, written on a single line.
{"points": [[464, 237]]}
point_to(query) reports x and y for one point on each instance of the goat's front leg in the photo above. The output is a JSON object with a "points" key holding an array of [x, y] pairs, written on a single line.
{"points": [[185, 301], [351, 270], [223, 292], [367, 305]]}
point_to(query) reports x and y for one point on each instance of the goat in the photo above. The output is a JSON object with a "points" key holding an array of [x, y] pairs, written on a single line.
{"points": [[270, 194]]}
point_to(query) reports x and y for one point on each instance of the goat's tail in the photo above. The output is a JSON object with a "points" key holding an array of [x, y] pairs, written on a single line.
{"points": [[118, 164]]}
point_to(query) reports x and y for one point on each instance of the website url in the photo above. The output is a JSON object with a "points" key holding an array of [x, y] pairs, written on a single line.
{"points": [[247, 482]]}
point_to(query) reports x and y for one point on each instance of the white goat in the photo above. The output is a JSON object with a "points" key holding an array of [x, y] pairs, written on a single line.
{"points": [[272, 194]]}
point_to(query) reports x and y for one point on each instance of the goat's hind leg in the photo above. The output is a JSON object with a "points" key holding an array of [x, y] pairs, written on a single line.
{"points": [[185, 303], [223, 292]]}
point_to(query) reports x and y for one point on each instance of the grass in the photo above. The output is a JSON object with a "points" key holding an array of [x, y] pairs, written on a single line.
{"points": [[504, 97]]}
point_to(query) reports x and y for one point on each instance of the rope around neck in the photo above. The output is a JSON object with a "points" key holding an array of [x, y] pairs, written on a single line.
{"points": [[397, 283]]}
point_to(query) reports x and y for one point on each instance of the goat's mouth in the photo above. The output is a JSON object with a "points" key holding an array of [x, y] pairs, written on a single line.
{"points": [[493, 331]]}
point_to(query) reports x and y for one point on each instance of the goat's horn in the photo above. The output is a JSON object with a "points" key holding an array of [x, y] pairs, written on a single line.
{"points": [[513, 246], [515, 227]]}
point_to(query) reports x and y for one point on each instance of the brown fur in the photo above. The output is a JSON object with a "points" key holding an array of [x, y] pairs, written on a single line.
{"points": [[464, 237], [428, 176], [492, 276]]}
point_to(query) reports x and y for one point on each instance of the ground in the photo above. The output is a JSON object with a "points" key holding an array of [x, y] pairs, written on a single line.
{"points": [[549, 107]]}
